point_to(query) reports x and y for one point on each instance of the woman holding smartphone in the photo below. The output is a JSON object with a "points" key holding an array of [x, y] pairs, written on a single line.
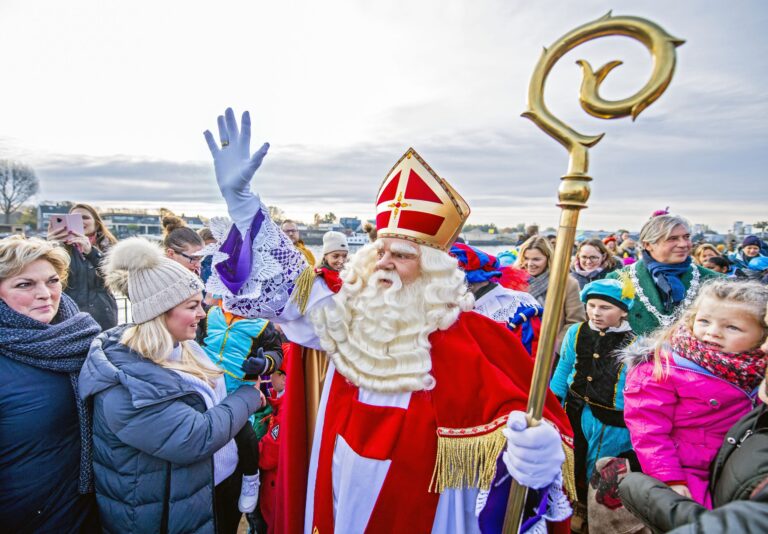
{"points": [[86, 249]]}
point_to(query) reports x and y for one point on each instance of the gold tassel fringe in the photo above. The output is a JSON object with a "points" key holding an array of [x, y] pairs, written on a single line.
{"points": [[569, 473], [466, 461], [303, 288]]}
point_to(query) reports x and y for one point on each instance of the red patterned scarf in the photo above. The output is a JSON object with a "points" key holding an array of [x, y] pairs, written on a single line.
{"points": [[745, 370]]}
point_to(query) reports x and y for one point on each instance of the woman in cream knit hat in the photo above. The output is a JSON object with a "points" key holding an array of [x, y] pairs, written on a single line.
{"points": [[163, 427], [335, 251]]}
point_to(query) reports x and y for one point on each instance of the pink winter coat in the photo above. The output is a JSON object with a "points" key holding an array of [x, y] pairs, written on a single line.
{"points": [[678, 424]]}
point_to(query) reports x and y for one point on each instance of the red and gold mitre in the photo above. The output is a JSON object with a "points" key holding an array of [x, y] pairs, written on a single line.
{"points": [[414, 203]]}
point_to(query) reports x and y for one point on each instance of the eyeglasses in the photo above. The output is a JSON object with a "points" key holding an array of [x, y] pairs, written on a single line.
{"points": [[190, 259], [590, 258]]}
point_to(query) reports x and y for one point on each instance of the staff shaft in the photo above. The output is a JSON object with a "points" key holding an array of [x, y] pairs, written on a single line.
{"points": [[553, 313]]}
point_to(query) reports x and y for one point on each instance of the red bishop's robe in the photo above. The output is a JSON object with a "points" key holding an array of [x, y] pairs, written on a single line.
{"points": [[449, 437]]}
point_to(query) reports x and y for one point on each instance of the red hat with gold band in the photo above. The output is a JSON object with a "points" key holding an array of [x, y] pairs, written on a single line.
{"points": [[414, 203]]}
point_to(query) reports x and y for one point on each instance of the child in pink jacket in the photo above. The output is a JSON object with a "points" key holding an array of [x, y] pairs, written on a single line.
{"points": [[694, 382]]}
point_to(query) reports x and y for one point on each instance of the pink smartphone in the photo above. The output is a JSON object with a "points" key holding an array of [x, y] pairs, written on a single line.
{"points": [[72, 222]]}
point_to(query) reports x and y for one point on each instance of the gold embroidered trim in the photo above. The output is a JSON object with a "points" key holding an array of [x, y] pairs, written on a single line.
{"points": [[466, 461], [569, 472], [303, 288], [472, 431], [466, 457]]}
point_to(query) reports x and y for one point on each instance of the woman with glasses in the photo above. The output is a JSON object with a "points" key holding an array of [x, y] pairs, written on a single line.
{"points": [[181, 243], [593, 261]]}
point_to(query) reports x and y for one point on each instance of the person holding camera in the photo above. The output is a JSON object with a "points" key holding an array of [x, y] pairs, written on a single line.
{"points": [[86, 243]]}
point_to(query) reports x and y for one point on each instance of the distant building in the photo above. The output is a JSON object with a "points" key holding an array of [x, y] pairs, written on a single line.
{"points": [[44, 212], [353, 224], [122, 223], [738, 228], [700, 229], [131, 224]]}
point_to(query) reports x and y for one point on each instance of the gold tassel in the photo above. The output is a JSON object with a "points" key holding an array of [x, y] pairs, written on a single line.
{"points": [[569, 473], [466, 461], [303, 288]]}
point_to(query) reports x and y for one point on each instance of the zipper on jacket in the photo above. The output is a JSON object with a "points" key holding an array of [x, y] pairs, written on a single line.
{"points": [[744, 437], [752, 399], [224, 344], [167, 500]]}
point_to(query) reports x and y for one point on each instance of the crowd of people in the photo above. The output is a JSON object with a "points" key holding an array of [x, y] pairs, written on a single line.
{"points": [[380, 390]]}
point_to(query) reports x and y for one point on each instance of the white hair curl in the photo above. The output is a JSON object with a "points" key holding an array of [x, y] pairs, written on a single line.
{"points": [[377, 336]]}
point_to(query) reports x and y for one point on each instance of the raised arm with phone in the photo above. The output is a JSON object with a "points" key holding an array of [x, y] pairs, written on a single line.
{"points": [[86, 238]]}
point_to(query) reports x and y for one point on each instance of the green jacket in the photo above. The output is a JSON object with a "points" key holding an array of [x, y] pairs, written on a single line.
{"points": [[640, 319]]}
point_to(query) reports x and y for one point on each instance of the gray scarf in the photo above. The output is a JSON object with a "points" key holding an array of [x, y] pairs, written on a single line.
{"points": [[538, 285]]}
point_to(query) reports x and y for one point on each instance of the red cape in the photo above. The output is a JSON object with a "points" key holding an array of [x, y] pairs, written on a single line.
{"points": [[482, 373]]}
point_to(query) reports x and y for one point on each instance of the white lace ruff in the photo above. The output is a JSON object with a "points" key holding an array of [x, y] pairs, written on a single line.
{"points": [[501, 307], [558, 506], [276, 265]]}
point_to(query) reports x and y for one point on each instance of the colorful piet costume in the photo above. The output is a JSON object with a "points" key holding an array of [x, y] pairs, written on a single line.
{"points": [[418, 460], [494, 298], [589, 380]]}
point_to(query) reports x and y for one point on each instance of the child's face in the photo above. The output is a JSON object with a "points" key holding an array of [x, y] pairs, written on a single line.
{"points": [[714, 267], [727, 327], [336, 259], [278, 382], [603, 314]]}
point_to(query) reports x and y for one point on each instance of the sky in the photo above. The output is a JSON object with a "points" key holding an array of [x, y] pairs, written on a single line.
{"points": [[108, 100]]}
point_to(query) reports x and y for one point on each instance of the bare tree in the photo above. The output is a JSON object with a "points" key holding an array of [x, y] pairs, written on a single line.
{"points": [[18, 182]]}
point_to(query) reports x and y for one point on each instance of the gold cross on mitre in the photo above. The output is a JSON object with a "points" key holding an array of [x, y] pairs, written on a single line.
{"points": [[414, 203]]}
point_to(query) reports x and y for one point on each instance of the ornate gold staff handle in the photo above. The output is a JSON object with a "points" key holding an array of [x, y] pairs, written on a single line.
{"points": [[574, 190]]}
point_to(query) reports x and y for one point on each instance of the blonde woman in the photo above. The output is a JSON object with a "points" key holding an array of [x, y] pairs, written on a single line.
{"points": [[535, 256], [704, 252], [164, 453], [44, 428]]}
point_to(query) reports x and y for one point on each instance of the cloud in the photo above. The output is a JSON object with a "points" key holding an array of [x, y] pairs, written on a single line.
{"points": [[343, 88]]}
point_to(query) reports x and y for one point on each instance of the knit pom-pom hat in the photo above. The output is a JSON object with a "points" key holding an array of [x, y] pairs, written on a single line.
{"points": [[153, 283], [334, 241]]}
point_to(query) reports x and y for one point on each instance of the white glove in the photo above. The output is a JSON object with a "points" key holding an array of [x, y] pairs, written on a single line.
{"points": [[235, 167], [534, 455]]}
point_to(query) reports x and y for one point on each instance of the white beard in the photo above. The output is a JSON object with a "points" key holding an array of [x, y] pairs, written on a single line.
{"points": [[378, 337]]}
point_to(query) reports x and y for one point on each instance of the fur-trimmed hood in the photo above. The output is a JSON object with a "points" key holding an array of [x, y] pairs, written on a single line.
{"points": [[640, 351]]}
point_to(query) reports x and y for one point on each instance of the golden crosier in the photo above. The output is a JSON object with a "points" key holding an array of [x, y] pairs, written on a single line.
{"points": [[660, 44], [574, 189]]}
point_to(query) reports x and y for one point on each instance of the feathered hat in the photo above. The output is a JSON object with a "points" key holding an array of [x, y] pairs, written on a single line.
{"points": [[620, 293]]}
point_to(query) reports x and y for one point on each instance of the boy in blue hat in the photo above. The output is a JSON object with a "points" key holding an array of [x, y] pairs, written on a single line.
{"points": [[589, 379]]}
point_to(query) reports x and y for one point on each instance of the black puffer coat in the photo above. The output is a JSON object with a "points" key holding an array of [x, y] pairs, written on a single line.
{"points": [[85, 286], [738, 481]]}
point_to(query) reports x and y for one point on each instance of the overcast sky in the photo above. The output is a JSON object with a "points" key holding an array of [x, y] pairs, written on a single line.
{"points": [[108, 101]]}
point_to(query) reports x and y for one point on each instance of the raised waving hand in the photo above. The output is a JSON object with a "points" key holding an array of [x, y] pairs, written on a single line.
{"points": [[235, 166]]}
